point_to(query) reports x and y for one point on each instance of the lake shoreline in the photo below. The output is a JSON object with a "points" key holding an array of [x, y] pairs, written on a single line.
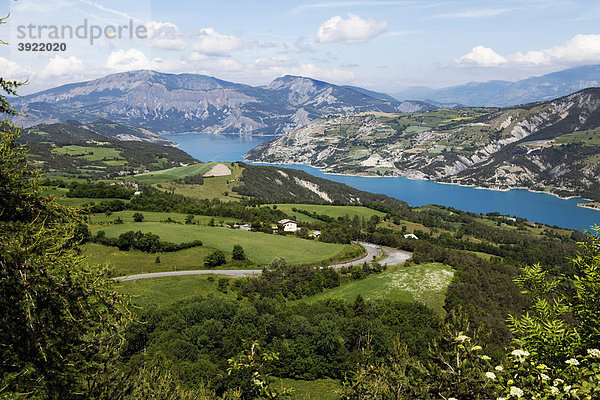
{"points": [[414, 178]]}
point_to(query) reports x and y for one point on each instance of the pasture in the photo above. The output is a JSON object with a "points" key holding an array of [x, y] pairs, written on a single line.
{"points": [[165, 291], [261, 248], [425, 283], [172, 174], [331, 211], [107, 155], [138, 262]]}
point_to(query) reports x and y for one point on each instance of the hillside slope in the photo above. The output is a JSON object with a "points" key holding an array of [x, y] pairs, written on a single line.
{"points": [[284, 185], [168, 103], [552, 146], [73, 149]]}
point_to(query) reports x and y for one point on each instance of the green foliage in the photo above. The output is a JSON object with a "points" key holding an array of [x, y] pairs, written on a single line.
{"points": [[453, 367], [255, 361], [60, 319], [98, 190], [238, 253], [556, 342], [138, 217], [215, 259]]}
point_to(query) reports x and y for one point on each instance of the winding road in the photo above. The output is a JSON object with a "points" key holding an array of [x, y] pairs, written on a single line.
{"points": [[393, 257]]}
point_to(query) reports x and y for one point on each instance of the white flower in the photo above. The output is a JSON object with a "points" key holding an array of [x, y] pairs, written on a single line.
{"points": [[566, 388], [520, 354], [554, 390], [451, 398], [558, 381], [499, 368], [515, 391], [490, 375], [572, 361], [462, 338], [544, 377], [594, 352]]}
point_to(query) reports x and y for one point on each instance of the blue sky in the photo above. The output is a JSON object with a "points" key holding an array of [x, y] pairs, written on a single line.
{"points": [[382, 45]]}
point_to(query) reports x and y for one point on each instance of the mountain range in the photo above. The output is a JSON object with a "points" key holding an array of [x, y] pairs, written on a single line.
{"points": [[168, 103], [552, 146], [499, 93]]}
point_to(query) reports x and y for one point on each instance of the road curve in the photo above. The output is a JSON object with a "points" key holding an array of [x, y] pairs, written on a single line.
{"points": [[393, 257]]}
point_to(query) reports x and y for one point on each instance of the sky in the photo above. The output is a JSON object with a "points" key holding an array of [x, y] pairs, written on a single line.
{"points": [[383, 45]]}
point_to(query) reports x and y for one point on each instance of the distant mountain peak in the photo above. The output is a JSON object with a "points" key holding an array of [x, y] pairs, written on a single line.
{"points": [[498, 93], [178, 103]]}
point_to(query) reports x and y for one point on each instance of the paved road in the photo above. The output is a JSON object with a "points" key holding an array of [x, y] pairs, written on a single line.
{"points": [[373, 251]]}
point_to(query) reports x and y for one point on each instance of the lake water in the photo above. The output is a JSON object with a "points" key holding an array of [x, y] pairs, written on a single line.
{"points": [[537, 207]]}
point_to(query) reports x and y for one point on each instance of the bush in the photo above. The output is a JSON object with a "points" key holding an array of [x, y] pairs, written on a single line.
{"points": [[215, 259], [238, 253], [138, 217]]}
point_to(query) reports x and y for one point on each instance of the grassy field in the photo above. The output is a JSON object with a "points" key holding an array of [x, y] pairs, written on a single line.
{"points": [[320, 389], [591, 137], [332, 211], [212, 188], [100, 220], [107, 155], [171, 174], [165, 291], [137, 262], [261, 248], [425, 283]]}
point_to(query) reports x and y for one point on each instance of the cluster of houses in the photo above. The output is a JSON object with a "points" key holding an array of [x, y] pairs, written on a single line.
{"points": [[289, 226]]}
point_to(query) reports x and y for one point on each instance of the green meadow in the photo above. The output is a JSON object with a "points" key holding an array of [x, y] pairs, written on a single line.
{"points": [[261, 248], [172, 174], [168, 290], [331, 211], [425, 283]]}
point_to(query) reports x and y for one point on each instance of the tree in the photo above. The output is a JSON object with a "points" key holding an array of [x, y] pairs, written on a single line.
{"points": [[138, 217], [238, 253], [60, 318], [215, 259], [556, 349]]}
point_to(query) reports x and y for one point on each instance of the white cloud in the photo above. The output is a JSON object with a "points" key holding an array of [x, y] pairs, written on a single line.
{"points": [[280, 60], [13, 71], [483, 57], [166, 36], [211, 42], [62, 66], [127, 60], [354, 29], [580, 49]]}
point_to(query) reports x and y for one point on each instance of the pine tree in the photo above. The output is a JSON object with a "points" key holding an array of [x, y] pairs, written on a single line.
{"points": [[60, 319]]}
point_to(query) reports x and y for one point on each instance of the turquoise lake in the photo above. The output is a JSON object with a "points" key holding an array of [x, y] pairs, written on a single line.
{"points": [[538, 207]]}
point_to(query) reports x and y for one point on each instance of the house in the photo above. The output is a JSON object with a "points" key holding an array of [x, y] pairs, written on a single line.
{"points": [[315, 234], [410, 236], [290, 227]]}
